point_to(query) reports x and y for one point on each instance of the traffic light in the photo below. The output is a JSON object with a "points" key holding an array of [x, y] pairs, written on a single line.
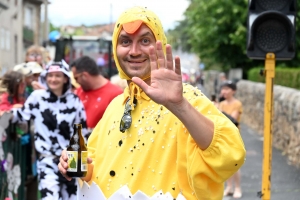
{"points": [[271, 29]]}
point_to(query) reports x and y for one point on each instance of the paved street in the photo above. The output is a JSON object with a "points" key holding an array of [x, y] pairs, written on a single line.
{"points": [[285, 183]]}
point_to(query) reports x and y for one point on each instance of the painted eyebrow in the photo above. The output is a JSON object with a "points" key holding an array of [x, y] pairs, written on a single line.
{"points": [[143, 35]]}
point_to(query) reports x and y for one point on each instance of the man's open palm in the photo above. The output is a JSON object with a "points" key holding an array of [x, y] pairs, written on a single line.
{"points": [[166, 81]]}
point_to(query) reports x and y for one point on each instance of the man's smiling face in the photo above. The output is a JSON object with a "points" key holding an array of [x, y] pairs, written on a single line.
{"points": [[133, 51]]}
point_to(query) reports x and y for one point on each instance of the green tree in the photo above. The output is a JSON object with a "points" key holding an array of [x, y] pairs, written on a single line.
{"points": [[53, 28], [216, 31], [178, 37], [294, 62]]}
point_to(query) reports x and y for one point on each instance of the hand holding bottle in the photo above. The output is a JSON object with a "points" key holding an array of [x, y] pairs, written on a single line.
{"points": [[63, 164]]}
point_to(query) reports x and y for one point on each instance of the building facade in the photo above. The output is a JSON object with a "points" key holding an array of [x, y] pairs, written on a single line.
{"points": [[20, 27]]}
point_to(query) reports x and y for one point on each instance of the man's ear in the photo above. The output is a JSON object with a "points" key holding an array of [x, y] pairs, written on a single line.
{"points": [[86, 74]]}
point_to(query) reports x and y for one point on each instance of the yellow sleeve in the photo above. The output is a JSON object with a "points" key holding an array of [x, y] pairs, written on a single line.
{"points": [[208, 169]]}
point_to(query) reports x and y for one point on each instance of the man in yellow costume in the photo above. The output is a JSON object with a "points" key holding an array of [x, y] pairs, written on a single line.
{"points": [[160, 134]]}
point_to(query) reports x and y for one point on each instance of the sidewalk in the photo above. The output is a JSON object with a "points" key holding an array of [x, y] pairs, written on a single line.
{"points": [[285, 184]]}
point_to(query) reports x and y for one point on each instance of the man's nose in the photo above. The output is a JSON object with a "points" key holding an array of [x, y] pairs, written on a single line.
{"points": [[135, 49]]}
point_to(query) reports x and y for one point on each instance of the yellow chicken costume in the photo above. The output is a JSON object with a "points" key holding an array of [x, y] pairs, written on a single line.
{"points": [[157, 153]]}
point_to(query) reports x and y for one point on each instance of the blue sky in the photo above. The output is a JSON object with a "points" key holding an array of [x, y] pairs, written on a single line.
{"points": [[89, 12]]}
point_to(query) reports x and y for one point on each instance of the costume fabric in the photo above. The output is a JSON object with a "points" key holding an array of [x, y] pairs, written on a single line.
{"points": [[96, 101], [53, 119], [158, 153]]}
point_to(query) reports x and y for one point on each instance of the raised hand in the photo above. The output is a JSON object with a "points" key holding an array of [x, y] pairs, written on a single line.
{"points": [[165, 87]]}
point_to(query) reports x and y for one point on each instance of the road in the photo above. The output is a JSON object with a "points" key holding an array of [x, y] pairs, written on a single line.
{"points": [[285, 179]]}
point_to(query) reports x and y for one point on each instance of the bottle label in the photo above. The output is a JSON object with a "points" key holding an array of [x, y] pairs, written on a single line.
{"points": [[84, 165], [72, 161]]}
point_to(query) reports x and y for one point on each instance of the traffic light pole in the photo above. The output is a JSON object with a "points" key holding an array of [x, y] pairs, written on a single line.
{"points": [[268, 115]]}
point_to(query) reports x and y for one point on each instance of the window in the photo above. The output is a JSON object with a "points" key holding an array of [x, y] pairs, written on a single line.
{"points": [[7, 40], [28, 18], [2, 38]]}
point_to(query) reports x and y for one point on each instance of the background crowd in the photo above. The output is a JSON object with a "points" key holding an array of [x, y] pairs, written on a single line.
{"points": [[45, 99]]}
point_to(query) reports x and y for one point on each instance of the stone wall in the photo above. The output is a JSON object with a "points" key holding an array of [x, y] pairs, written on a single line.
{"points": [[286, 117]]}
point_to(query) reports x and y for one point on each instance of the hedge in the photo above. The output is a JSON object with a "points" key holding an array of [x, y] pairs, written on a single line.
{"points": [[289, 77]]}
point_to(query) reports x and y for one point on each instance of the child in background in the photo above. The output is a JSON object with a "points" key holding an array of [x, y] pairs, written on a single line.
{"points": [[232, 107]]}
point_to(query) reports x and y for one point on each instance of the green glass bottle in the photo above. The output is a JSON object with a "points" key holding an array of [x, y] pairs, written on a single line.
{"points": [[77, 154]]}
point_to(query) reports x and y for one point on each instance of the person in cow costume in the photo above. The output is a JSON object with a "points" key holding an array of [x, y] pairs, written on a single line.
{"points": [[54, 111]]}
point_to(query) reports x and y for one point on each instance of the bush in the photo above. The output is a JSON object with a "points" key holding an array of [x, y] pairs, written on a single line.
{"points": [[289, 77]]}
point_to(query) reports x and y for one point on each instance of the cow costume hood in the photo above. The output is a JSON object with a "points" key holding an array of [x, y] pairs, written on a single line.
{"points": [[57, 67]]}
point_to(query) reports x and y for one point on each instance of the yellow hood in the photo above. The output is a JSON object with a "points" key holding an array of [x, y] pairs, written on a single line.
{"points": [[148, 18]]}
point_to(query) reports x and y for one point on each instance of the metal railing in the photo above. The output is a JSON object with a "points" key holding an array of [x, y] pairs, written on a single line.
{"points": [[16, 162]]}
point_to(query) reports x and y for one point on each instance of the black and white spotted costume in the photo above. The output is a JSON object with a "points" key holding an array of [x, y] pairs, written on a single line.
{"points": [[53, 119]]}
